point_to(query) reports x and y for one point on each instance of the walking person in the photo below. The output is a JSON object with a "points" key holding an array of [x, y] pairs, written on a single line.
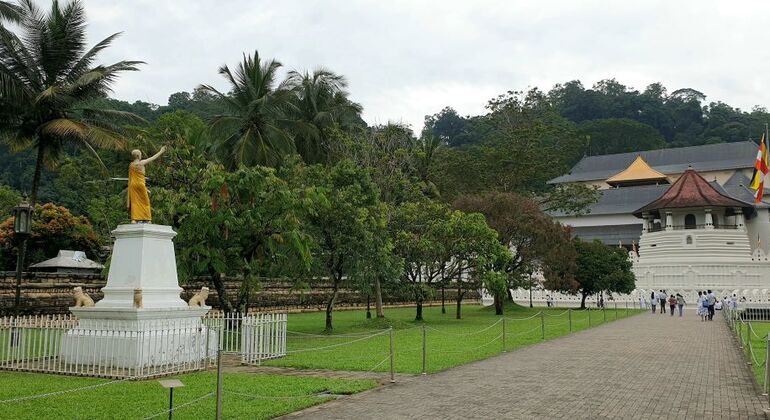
{"points": [[662, 298], [672, 304], [712, 300], [701, 309], [653, 301], [680, 303]]}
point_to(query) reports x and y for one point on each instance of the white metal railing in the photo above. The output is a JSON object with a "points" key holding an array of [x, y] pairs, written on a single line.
{"points": [[118, 349]]}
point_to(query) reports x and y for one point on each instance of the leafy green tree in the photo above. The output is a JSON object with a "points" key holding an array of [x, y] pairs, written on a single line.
{"points": [[255, 129], [350, 230], [473, 247], [537, 243], [600, 268], [244, 224], [619, 135], [417, 229], [49, 82], [9, 198], [322, 102]]}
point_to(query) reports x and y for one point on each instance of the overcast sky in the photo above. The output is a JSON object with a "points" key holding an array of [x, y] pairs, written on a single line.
{"points": [[406, 59]]}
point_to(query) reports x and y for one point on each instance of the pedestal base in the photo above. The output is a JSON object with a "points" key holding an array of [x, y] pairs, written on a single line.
{"points": [[138, 338]]}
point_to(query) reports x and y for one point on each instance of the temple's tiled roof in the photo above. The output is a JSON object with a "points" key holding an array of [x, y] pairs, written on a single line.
{"points": [[691, 190], [623, 200], [710, 157]]}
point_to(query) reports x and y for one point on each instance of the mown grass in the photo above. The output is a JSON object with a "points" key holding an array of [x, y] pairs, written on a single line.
{"points": [[252, 396], [757, 352], [449, 342]]}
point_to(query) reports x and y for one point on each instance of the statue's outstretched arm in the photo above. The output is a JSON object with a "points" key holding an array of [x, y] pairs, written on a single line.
{"points": [[153, 157]]}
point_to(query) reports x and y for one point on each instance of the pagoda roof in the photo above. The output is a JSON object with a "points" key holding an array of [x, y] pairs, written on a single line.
{"points": [[691, 190], [637, 171]]}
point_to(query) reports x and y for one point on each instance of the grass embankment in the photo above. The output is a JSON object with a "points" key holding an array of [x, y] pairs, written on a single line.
{"points": [[449, 342], [252, 396]]}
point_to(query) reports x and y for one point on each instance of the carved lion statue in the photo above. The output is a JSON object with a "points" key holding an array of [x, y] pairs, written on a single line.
{"points": [[199, 299], [81, 297]]}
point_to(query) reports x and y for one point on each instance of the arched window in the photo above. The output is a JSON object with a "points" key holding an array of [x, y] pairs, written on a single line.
{"points": [[689, 221], [689, 240]]}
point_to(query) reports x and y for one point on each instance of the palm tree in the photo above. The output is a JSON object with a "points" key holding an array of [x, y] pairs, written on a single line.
{"points": [[322, 102], [10, 11], [48, 86], [256, 128]]}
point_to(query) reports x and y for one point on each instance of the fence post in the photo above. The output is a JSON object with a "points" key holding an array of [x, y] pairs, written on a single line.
{"points": [[219, 383], [767, 370], [589, 317], [604, 314], [740, 334], [392, 370], [542, 324], [424, 341], [569, 315], [748, 339], [503, 334], [626, 308], [616, 310]]}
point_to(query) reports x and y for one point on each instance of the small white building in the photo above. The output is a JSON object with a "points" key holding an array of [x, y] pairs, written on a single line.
{"points": [[69, 262]]}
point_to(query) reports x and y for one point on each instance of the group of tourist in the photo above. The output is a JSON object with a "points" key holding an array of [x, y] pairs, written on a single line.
{"points": [[662, 298], [706, 304]]}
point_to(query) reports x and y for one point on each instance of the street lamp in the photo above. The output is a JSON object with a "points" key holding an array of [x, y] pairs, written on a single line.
{"points": [[22, 226]]}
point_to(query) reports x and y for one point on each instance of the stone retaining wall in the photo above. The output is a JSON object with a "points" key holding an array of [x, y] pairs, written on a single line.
{"points": [[51, 293]]}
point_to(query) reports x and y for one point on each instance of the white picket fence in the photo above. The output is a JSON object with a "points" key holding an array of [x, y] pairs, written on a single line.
{"points": [[114, 349]]}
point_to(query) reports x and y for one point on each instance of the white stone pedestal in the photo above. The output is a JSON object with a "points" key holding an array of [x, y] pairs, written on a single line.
{"points": [[117, 333]]}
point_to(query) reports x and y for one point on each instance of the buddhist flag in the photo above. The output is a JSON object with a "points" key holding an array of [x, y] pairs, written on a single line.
{"points": [[760, 171]]}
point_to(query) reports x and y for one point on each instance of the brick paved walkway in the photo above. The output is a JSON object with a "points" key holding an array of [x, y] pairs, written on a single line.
{"points": [[646, 366]]}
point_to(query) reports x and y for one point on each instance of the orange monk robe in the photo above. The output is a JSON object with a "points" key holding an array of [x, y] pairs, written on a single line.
{"points": [[138, 199]]}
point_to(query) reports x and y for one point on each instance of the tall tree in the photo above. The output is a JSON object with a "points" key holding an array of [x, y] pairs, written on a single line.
{"points": [[255, 130], [538, 244], [49, 83], [600, 268], [322, 102], [417, 229], [350, 229]]}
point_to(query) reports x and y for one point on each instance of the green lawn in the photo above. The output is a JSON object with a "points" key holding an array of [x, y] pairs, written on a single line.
{"points": [[449, 342], [245, 396], [758, 334]]}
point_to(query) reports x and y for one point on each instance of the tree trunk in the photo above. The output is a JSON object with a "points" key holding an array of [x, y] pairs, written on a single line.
{"points": [[418, 300], [498, 305], [583, 301], [378, 298], [443, 308], [330, 305], [459, 303], [219, 286], [509, 293], [36, 177], [368, 306]]}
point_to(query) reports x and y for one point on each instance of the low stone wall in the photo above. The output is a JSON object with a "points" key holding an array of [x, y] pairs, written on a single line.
{"points": [[51, 293]]}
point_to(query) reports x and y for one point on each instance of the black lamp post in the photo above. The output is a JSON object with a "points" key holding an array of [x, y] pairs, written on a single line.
{"points": [[22, 226]]}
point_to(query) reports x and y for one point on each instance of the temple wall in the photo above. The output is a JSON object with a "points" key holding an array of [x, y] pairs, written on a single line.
{"points": [[51, 293]]}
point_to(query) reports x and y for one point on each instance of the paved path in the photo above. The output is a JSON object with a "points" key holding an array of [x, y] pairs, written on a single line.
{"points": [[646, 366]]}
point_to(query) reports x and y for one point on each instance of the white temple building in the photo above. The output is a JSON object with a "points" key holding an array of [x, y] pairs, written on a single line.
{"points": [[686, 215]]}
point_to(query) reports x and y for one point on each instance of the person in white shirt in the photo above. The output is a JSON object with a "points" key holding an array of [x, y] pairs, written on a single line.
{"points": [[712, 299]]}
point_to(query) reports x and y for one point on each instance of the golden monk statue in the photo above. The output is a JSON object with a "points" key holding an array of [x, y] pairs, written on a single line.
{"points": [[138, 198]]}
